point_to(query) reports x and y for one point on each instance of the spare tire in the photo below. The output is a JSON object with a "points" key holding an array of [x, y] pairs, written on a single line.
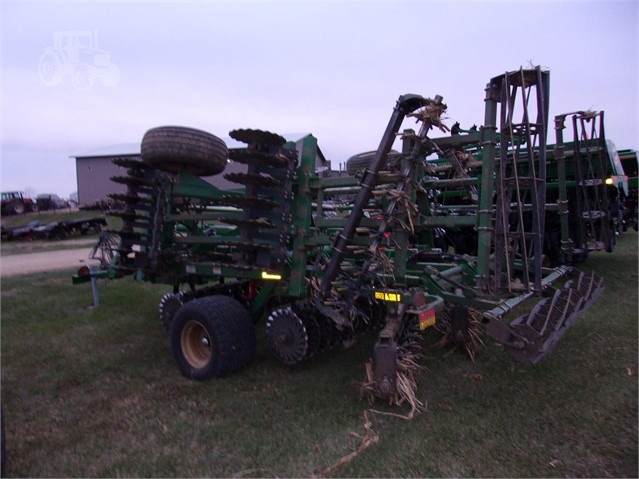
{"points": [[177, 148], [362, 161]]}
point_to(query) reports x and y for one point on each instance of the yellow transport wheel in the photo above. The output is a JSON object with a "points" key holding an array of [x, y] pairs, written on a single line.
{"points": [[212, 337]]}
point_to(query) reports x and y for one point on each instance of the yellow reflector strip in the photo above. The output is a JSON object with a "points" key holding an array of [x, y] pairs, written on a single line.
{"points": [[266, 275], [393, 297]]}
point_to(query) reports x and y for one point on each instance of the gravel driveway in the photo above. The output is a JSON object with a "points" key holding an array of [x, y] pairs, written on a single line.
{"points": [[19, 264]]}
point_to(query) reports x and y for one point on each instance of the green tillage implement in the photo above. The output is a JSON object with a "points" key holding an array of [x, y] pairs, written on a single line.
{"points": [[628, 159], [589, 199], [322, 258]]}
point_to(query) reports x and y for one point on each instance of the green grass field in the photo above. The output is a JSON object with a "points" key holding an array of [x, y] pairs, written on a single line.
{"points": [[95, 392]]}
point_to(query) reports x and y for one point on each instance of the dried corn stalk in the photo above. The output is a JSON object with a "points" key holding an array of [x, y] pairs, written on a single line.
{"points": [[408, 368], [369, 438], [474, 341]]}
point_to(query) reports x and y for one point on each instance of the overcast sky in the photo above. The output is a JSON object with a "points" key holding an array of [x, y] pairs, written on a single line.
{"points": [[333, 69]]}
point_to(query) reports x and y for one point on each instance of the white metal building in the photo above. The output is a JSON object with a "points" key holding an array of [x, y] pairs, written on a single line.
{"points": [[95, 168]]}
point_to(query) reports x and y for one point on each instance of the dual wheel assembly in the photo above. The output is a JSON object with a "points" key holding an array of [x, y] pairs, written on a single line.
{"points": [[214, 336]]}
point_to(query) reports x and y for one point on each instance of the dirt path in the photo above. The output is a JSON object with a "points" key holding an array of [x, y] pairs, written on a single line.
{"points": [[19, 264]]}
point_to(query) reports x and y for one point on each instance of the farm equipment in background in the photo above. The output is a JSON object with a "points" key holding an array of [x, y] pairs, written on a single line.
{"points": [[630, 165], [54, 230], [49, 201], [322, 258], [16, 203], [590, 186], [588, 197]]}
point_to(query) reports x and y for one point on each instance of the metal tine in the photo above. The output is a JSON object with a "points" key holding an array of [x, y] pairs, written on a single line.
{"points": [[572, 308], [568, 319], [576, 283], [129, 163], [595, 289], [547, 309], [128, 215], [584, 287], [253, 179], [558, 320], [549, 320], [134, 181], [580, 304], [589, 286], [534, 314]]}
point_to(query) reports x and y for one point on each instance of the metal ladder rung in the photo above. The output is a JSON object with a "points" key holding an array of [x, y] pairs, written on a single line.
{"points": [[522, 180]]}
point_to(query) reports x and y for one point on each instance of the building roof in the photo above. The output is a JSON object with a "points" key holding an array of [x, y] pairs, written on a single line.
{"points": [[122, 149]]}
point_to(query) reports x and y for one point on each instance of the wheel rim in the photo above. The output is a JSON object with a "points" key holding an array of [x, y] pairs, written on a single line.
{"points": [[82, 78], [196, 344], [48, 70]]}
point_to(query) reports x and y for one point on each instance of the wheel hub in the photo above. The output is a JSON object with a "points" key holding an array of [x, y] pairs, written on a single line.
{"points": [[196, 344]]}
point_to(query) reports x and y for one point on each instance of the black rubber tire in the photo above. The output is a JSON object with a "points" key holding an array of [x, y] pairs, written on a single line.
{"points": [[177, 148], [361, 161], [227, 326], [17, 208], [50, 68], [83, 77]]}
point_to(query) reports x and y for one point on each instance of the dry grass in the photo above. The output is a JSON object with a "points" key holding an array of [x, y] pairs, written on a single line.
{"points": [[409, 369]]}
